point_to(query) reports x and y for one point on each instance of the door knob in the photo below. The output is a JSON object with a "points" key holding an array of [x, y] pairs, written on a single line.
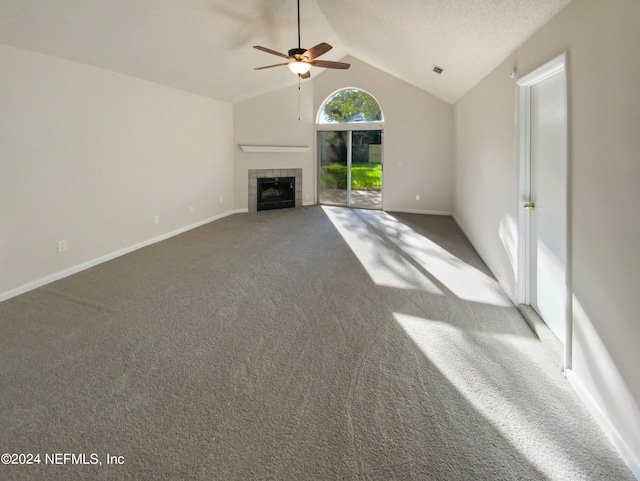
{"points": [[529, 206]]}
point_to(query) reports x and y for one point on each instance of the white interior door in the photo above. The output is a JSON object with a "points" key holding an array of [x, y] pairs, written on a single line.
{"points": [[548, 194], [544, 197]]}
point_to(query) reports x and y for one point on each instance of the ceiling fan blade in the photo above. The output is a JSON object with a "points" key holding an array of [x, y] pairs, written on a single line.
{"points": [[305, 75], [273, 52], [269, 66], [315, 52], [329, 64]]}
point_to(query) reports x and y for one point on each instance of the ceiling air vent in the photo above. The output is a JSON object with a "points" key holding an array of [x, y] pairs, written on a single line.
{"points": [[437, 69]]}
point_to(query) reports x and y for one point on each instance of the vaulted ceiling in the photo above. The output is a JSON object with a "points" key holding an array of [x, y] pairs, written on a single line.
{"points": [[205, 46]]}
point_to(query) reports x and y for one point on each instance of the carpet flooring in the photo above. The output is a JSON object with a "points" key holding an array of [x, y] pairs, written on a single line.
{"points": [[315, 343]]}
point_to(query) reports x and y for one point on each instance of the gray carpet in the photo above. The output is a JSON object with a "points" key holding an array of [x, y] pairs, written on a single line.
{"points": [[300, 344]]}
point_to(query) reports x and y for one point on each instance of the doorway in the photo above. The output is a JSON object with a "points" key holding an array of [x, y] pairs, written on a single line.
{"points": [[350, 163], [543, 210]]}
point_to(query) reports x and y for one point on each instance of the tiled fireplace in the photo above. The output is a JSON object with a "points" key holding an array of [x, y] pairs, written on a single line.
{"points": [[255, 174]]}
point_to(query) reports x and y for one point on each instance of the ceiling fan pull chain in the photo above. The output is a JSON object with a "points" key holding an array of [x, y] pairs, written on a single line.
{"points": [[299, 80]]}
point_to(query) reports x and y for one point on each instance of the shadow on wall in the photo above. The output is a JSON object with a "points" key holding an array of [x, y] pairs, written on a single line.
{"points": [[593, 365], [508, 232]]}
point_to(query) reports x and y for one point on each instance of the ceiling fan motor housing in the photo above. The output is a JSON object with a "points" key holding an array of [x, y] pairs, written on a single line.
{"points": [[297, 53]]}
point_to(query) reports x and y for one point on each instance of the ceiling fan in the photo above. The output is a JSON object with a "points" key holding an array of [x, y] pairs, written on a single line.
{"points": [[301, 60]]}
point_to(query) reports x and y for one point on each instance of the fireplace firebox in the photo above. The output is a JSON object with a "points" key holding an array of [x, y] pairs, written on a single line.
{"points": [[276, 193]]}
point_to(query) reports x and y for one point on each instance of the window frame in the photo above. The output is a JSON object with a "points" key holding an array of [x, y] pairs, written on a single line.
{"points": [[366, 124]]}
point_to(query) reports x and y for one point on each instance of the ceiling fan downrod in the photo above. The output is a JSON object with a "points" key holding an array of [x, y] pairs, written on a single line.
{"points": [[299, 24]]}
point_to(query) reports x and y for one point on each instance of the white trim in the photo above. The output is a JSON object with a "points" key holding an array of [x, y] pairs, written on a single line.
{"points": [[94, 262], [524, 183], [353, 126], [417, 211], [626, 453], [484, 258], [349, 164], [549, 69], [523, 100], [274, 148]]}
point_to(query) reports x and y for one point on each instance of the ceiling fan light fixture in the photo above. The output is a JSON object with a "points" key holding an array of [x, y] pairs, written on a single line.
{"points": [[302, 59], [299, 67]]}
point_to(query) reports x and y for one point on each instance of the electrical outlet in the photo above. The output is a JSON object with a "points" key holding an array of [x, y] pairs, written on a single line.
{"points": [[306, 197], [156, 219], [62, 246], [417, 196], [190, 209], [221, 200]]}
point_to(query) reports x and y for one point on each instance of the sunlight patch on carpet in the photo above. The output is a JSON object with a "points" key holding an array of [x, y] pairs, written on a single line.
{"points": [[384, 264], [484, 382], [394, 255]]}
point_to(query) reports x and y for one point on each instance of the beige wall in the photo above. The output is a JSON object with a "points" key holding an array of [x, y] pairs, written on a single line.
{"points": [[272, 120], [603, 44], [91, 156], [486, 180], [418, 137]]}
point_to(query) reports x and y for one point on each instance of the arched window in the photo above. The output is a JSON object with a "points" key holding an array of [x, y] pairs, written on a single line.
{"points": [[350, 105]]}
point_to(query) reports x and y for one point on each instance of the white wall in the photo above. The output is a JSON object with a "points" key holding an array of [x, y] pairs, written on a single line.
{"points": [[603, 44], [417, 142], [91, 156], [272, 119]]}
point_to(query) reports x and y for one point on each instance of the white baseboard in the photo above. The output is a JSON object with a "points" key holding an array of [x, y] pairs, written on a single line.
{"points": [[626, 453], [417, 211], [498, 277], [94, 262]]}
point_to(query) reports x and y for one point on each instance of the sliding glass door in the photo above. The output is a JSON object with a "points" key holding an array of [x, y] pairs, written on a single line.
{"points": [[350, 163], [333, 158]]}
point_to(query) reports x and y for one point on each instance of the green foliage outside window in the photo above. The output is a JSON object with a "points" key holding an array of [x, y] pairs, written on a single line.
{"points": [[351, 105], [364, 176]]}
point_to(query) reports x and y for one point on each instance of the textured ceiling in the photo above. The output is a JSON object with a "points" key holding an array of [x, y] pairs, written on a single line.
{"points": [[204, 46]]}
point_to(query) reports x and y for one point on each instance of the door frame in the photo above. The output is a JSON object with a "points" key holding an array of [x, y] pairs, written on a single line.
{"points": [[349, 127], [523, 109]]}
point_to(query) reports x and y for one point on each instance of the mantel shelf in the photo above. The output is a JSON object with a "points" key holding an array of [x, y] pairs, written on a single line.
{"points": [[274, 148]]}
